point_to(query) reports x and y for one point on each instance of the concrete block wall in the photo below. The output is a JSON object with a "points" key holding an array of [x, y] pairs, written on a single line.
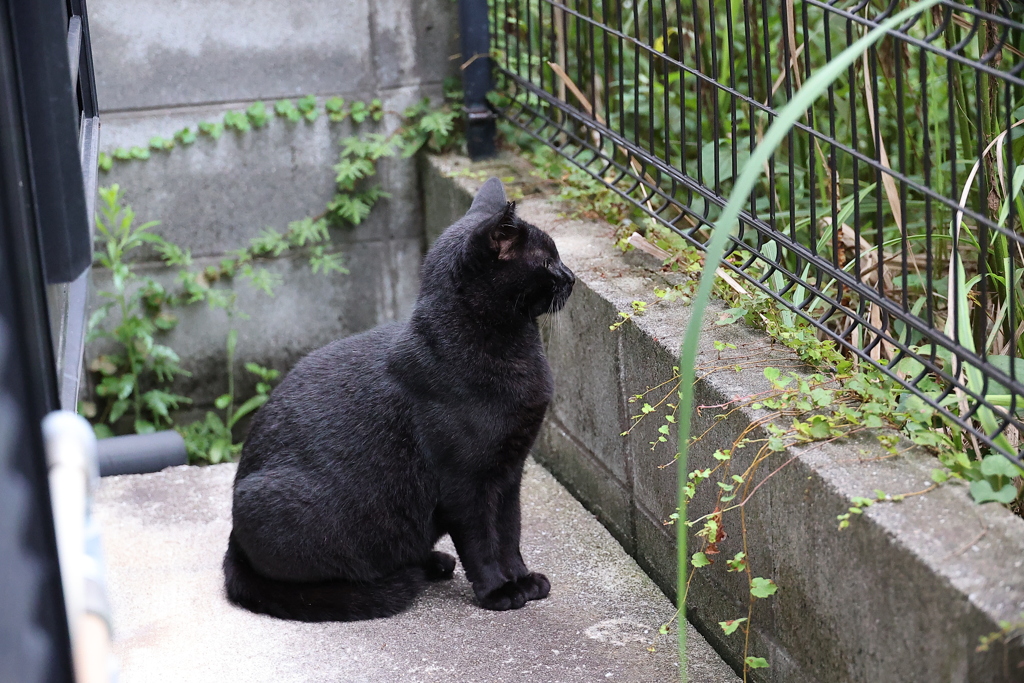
{"points": [[900, 596], [163, 66]]}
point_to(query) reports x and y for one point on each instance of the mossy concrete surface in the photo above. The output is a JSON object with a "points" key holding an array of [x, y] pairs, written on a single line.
{"points": [[902, 595], [165, 534]]}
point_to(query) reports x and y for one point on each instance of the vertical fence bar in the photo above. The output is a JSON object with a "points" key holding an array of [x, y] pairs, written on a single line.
{"points": [[476, 78]]}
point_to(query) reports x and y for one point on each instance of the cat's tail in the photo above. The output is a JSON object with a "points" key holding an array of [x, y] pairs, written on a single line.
{"points": [[319, 601]]}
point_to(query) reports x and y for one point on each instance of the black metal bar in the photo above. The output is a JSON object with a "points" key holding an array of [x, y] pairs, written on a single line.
{"points": [[476, 78]]}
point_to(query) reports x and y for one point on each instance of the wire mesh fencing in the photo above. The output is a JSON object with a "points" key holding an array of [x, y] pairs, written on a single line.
{"points": [[890, 219]]}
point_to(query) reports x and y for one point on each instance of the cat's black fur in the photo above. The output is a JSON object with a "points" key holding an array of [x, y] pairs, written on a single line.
{"points": [[375, 446]]}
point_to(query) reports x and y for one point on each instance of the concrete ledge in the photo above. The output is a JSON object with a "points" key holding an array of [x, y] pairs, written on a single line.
{"points": [[902, 595], [165, 534]]}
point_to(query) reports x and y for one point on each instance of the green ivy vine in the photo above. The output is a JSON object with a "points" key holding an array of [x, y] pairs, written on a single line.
{"points": [[134, 375]]}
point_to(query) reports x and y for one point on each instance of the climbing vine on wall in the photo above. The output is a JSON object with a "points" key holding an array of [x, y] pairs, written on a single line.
{"points": [[134, 374]]}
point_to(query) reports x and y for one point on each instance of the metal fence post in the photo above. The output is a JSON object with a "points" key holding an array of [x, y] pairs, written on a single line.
{"points": [[476, 78]]}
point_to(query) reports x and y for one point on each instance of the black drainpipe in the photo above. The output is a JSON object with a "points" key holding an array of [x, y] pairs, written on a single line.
{"points": [[476, 78]]}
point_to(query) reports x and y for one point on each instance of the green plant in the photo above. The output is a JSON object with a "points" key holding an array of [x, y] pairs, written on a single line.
{"points": [[744, 185], [683, 118], [136, 374], [136, 371], [833, 205], [211, 439]]}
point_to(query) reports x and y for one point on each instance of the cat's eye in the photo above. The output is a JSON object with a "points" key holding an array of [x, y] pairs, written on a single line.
{"points": [[547, 263]]}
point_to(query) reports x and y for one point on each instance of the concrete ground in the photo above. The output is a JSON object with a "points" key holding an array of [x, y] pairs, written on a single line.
{"points": [[165, 534]]}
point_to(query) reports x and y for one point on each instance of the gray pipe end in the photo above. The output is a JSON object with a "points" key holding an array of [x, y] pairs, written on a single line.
{"points": [[140, 453]]}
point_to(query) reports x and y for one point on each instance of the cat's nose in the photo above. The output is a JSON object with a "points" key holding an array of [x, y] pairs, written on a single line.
{"points": [[570, 278]]}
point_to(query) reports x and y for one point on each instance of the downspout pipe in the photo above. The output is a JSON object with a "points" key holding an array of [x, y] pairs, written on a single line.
{"points": [[475, 65]]}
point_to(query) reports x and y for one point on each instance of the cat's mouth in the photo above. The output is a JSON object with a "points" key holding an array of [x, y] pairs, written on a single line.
{"points": [[563, 288]]}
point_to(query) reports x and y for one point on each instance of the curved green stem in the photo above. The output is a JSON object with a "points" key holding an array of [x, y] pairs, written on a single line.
{"points": [[813, 88]]}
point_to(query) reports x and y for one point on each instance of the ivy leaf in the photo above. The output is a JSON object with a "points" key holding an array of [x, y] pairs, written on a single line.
{"points": [[160, 144], [237, 120], [286, 108], [730, 626], [982, 492], [214, 130], [730, 316], [307, 106], [335, 107], [762, 588], [700, 560], [377, 109], [821, 397], [185, 136], [819, 427], [756, 662], [257, 114], [737, 563], [105, 162], [996, 465], [359, 111]]}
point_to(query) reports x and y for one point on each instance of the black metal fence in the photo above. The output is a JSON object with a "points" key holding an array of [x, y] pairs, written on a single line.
{"points": [[890, 219]]}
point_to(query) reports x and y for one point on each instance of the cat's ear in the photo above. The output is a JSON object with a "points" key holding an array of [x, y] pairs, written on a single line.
{"points": [[502, 234], [490, 199]]}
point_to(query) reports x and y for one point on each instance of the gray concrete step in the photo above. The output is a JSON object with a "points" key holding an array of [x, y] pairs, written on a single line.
{"points": [[165, 535]]}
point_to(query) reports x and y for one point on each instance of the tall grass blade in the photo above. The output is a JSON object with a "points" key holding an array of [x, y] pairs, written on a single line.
{"points": [[788, 116]]}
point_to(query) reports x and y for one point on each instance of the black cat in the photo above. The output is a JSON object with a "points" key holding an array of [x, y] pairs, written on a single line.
{"points": [[375, 446]]}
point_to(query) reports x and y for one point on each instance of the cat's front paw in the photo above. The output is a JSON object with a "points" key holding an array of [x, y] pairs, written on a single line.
{"points": [[506, 596], [535, 586]]}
